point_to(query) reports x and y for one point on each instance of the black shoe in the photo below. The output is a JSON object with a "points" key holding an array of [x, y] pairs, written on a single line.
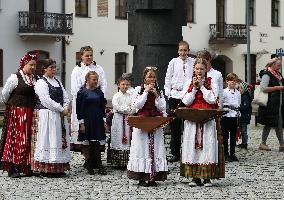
{"points": [[174, 159], [152, 184], [245, 146], [85, 165], [226, 158], [142, 183], [233, 158], [13, 172], [102, 171]]}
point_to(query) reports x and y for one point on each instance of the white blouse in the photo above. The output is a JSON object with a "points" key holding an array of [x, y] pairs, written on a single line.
{"points": [[42, 90], [178, 73], [121, 103], [218, 79], [139, 100], [231, 97], [12, 83], [78, 77], [208, 95]]}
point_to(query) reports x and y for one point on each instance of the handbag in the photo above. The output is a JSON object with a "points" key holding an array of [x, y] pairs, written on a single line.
{"points": [[260, 97]]}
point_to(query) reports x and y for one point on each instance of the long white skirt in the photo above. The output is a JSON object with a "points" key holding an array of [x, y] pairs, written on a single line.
{"points": [[117, 133], [209, 153], [48, 148], [139, 159]]}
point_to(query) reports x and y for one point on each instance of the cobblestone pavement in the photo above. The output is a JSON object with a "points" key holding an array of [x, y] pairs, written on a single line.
{"points": [[258, 175]]}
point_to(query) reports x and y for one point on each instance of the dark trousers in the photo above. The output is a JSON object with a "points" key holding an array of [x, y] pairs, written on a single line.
{"points": [[95, 155], [176, 128], [229, 129]]}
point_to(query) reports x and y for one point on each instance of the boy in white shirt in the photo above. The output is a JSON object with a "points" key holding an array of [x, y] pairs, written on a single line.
{"points": [[231, 101], [179, 71]]}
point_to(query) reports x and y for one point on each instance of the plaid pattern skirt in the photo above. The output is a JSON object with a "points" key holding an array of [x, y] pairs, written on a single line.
{"points": [[118, 157]]}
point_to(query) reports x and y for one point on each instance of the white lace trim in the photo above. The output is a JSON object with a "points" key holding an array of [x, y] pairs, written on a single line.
{"points": [[52, 155]]}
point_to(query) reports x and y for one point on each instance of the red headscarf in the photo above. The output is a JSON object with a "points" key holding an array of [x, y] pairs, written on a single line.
{"points": [[26, 59]]}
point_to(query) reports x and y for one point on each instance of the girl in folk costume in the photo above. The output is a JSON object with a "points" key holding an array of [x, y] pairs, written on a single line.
{"points": [[200, 145], [120, 131], [19, 96], [77, 81], [90, 109], [52, 146], [147, 160]]}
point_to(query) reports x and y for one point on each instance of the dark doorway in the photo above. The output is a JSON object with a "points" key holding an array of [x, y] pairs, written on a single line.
{"points": [[36, 14], [220, 65]]}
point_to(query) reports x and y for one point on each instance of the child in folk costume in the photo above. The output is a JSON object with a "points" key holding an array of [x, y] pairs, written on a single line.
{"points": [[77, 81], [120, 130], [200, 145], [147, 160], [52, 146], [231, 101], [90, 109]]}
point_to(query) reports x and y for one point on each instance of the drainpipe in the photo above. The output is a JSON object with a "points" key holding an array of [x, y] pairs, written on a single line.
{"points": [[63, 51], [248, 44]]}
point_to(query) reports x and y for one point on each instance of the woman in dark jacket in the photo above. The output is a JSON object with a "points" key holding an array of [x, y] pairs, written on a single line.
{"points": [[270, 116]]}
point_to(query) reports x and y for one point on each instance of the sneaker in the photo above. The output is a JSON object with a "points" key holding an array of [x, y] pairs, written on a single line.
{"points": [[233, 158], [264, 147], [195, 182], [281, 148], [192, 183], [207, 183]]}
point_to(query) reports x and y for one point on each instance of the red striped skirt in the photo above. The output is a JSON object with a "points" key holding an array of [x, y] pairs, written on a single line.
{"points": [[17, 138]]}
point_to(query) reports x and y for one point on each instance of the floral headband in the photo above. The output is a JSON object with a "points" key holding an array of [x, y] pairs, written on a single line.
{"points": [[27, 58]]}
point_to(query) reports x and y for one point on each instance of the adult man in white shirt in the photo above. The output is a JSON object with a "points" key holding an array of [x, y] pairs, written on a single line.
{"points": [[179, 71]]}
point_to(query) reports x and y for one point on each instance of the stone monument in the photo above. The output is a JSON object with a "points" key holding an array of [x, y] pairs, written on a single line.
{"points": [[154, 29]]}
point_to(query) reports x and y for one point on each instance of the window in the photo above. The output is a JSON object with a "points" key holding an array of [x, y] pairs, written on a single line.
{"points": [[120, 64], [275, 13], [189, 10], [120, 9], [36, 5], [78, 58], [1, 68], [102, 8], [42, 55], [81, 8], [251, 12]]}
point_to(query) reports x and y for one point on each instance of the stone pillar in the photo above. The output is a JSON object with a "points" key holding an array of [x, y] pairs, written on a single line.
{"points": [[154, 29]]}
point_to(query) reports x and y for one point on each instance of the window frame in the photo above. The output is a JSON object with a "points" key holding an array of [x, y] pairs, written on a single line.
{"points": [[275, 12], [252, 12], [120, 64], [82, 14], [119, 14], [190, 3]]}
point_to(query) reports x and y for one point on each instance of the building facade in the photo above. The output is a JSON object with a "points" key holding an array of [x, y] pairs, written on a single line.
{"points": [[32, 26]]}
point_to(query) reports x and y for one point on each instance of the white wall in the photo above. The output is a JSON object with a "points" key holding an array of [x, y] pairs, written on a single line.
{"points": [[100, 33], [11, 43]]}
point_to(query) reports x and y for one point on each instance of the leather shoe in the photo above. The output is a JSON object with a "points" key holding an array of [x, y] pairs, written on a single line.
{"points": [[174, 159]]}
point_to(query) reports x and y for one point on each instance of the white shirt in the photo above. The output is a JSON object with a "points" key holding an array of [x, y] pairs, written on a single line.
{"points": [[12, 83], [231, 97], [78, 77], [121, 103], [218, 79], [178, 73], [42, 90]]}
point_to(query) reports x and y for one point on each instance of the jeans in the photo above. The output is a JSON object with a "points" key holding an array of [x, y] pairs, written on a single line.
{"points": [[244, 132]]}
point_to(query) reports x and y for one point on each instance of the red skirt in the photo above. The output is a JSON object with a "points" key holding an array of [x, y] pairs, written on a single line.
{"points": [[17, 138]]}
